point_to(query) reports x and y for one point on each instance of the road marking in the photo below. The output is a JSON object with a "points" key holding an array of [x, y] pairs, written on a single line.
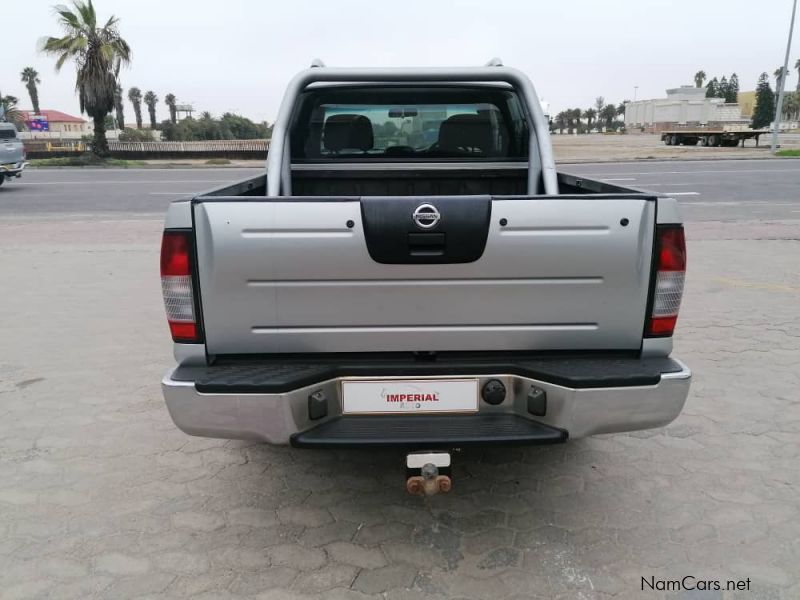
{"points": [[731, 171], [739, 203], [674, 184], [172, 193], [129, 181], [619, 179], [681, 193]]}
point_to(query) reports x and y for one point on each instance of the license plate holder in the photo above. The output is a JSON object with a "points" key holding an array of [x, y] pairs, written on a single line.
{"points": [[409, 396]]}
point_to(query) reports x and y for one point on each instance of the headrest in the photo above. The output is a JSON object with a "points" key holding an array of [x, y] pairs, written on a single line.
{"points": [[466, 133], [347, 132]]}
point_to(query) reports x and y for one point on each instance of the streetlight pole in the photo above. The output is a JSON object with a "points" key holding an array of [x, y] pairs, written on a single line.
{"points": [[636, 88], [784, 72]]}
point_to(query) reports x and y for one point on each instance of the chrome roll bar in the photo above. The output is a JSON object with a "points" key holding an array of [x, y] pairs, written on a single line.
{"points": [[279, 157]]}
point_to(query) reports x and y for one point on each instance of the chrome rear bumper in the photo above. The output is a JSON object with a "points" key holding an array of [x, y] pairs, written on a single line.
{"points": [[13, 169], [275, 417]]}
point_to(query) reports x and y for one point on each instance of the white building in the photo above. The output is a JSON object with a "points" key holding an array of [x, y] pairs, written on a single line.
{"points": [[684, 106]]}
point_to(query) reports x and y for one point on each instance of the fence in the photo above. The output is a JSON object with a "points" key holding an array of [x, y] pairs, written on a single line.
{"points": [[53, 148], [238, 149]]}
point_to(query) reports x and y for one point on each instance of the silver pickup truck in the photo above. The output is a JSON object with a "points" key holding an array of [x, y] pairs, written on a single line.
{"points": [[12, 153], [411, 271]]}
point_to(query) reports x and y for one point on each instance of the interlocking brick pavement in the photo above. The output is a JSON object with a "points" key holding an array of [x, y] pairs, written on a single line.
{"points": [[102, 497]]}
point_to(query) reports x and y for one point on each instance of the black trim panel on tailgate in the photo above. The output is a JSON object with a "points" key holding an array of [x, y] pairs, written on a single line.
{"points": [[457, 235], [278, 374], [426, 431]]}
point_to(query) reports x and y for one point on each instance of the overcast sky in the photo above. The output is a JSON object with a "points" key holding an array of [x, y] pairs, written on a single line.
{"points": [[237, 55]]}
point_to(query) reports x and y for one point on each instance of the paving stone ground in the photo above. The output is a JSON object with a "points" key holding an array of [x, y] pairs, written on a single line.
{"points": [[102, 497]]}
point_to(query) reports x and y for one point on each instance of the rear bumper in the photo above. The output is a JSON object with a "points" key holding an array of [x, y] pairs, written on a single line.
{"points": [[271, 403], [13, 169]]}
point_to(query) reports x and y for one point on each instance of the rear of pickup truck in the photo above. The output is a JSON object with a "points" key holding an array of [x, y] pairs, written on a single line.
{"points": [[12, 153], [437, 288]]}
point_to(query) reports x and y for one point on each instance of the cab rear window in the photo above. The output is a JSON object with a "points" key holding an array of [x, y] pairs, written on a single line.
{"points": [[400, 123]]}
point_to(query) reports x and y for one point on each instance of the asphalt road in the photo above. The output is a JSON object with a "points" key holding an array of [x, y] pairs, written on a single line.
{"points": [[720, 190]]}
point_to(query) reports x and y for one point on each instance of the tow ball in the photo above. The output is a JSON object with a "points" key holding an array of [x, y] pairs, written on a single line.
{"points": [[428, 473]]}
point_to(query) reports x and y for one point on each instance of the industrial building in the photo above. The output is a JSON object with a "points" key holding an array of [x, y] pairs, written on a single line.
{"points": [[684, 106]]}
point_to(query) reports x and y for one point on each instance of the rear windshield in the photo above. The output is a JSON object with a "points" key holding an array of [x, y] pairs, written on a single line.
{"points": [[7, 134], [402, 123]]}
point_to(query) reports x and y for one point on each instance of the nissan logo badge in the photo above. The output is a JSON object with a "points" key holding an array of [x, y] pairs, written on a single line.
{"points": [[426, 216]]}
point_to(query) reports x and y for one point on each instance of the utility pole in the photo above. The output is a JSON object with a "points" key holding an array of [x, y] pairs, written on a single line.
{"points": [[635, 91], [784, 73]]}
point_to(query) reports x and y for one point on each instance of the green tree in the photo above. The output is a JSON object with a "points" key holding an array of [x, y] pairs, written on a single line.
{"points": [[171, 101], [561, 121], [699, 78], [9, 112], [590, 114], [621, 108], [722, 89], [150, 99], [732, 93], [136, 135], [607, 114], [711, 88], [797, 67], [98, 53], [791, 106], [135, 96], [777, 75], [765, 103], [30, 77], [119, 109]]}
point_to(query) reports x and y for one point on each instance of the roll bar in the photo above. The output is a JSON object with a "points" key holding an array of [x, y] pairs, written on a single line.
{"points": [[279, 157]]}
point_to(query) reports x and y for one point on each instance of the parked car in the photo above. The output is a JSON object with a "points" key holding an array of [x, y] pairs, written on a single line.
{"points": [[452, 293], [12, 153]]}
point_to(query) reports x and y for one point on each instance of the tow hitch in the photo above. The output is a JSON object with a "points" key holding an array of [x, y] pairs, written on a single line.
{"points": [[428, 473]]}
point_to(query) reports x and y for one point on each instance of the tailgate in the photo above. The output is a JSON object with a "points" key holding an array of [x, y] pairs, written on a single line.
{"points": [[358, 275], [11, 152]]}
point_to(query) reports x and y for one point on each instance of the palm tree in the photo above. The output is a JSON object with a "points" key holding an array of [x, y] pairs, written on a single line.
{"points": [[150, 99], [797, 66], [608, 113], [590, 114], [777, 74], [30, 77], [561, 121], [9, 111], [791, 106], [170, 101], [577, 114], [135, 96], [119, 108], [98, 53], [699, 78]]}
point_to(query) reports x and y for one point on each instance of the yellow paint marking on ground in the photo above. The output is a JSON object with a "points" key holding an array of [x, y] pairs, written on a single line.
{"points": [[779, 287]]}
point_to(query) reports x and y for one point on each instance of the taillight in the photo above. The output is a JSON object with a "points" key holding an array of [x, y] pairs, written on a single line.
{"points": [[670, 273], [176, 286]]}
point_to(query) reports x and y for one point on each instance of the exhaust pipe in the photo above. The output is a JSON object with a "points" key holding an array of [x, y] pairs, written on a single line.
{"points": [[428, 473]]}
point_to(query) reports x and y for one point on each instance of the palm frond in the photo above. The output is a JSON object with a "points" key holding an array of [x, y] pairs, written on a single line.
{"points": [[87, 14]]}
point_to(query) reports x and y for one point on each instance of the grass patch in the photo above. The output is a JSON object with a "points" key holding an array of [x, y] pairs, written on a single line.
{"points": [[85, 160], [790, 153], [218, 161]]}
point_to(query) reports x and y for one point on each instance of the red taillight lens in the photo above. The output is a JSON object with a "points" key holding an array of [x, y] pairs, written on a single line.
{"points": [[670, 274], [176, 286]]}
